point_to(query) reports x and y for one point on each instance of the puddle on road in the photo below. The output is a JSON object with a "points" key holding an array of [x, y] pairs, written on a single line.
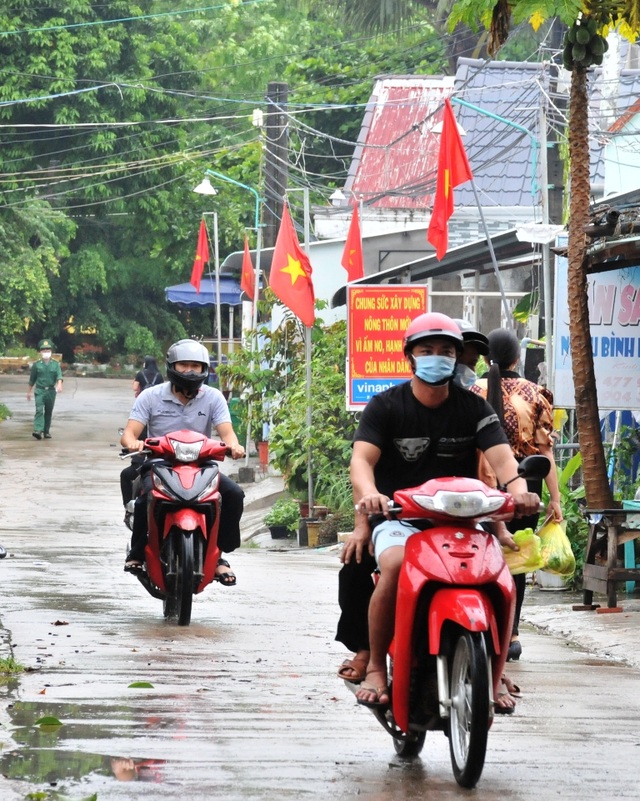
{"points": [[45, 755], [57, 768]]}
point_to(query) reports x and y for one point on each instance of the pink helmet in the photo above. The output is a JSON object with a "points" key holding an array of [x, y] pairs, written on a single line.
{"points": [[432, 324]]}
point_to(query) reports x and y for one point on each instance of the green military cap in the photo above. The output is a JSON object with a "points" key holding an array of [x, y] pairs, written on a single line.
{"points": [[45, 344]]}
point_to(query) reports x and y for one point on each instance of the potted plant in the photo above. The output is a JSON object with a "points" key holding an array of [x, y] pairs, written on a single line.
{"points": [[282, 518]]}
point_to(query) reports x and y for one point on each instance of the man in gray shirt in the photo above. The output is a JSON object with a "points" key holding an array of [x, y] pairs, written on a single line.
{"points": [[185, 402]]}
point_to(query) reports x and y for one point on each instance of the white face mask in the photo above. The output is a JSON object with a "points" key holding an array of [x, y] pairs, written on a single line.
{"points": [[464, 376], [46, 355]]}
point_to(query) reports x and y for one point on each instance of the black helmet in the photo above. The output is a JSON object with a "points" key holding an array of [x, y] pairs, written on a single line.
{"points": [[471, 335], [187, 350]]}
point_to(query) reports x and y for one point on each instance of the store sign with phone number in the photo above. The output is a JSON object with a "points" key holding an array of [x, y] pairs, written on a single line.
{"points": [[614, 314]]}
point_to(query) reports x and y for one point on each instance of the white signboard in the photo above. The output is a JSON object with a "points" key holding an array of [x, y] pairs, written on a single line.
{"points": [[614, 314]]}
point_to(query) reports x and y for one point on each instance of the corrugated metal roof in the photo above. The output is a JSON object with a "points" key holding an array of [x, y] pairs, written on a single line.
{"points": [[394, 164]]}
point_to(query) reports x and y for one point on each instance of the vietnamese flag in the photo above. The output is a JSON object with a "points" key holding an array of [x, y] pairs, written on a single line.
{"points": [[248, 277], [352, 259], [202, 257], [453, 169], [290, 276]]}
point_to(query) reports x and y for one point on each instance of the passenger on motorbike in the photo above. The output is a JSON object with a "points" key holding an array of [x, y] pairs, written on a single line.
{"points": [[184, 402], [424, 428]]}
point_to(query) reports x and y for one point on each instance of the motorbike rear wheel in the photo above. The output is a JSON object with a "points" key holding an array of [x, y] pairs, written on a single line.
{"points": [[469, 716], [410, 745]]}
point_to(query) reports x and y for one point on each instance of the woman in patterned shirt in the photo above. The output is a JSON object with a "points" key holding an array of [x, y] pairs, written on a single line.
{"points": [[526, 412]]}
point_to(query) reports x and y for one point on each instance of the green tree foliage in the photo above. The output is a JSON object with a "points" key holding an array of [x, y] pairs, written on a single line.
{"points": [[32, 241], [272, 383], [109, 115]]}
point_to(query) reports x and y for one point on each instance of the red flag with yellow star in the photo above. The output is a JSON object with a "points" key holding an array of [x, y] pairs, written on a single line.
{"points": [[202, 257], [352, 259], [290, 276], [453, 169]]}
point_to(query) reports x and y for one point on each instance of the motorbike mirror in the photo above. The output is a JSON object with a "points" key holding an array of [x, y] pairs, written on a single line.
{"points": [[531, 467], [534, 467]]}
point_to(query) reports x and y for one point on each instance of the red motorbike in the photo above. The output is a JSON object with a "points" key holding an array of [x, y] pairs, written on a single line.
{"points": [[183, 517], [454, 614]]}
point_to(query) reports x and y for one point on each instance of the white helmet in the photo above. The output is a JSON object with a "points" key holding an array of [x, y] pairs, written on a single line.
{"points": [[187, 350]]}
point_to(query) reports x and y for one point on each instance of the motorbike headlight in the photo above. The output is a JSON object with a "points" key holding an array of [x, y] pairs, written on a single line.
{"points": [[211, 487], [159, 484], [186, 452], [460, 504]]}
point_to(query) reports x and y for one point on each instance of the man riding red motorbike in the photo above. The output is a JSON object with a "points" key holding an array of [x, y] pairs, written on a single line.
{"points": [[421, 429], [184, 402]]}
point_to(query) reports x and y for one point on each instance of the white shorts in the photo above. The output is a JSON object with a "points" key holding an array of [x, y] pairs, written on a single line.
{"points": [[390, 533]]}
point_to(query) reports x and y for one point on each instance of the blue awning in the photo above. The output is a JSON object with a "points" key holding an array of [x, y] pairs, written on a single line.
{"points": [[186, 295]]}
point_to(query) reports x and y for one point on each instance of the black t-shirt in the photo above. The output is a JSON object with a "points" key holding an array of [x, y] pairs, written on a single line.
{"points": [[403, 429]]}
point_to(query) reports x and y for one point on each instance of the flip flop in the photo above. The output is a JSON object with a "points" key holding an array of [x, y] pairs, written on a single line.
{"points": [[498, 709], [132, 566], [511, 687], [357, 665], [226, 579], [378, 691]]}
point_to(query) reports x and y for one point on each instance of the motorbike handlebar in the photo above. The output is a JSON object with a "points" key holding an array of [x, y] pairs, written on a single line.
{"points": [[125, 454]]}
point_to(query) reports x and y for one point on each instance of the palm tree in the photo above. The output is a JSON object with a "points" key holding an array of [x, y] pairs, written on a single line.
{"points": [[603, 15], [389, 14]]}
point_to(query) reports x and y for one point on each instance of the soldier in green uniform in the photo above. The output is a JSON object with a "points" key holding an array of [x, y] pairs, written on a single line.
{"points": [[46, 377]]}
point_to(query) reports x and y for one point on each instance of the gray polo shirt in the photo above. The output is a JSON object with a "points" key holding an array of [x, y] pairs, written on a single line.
{"points": [[159, 410]]}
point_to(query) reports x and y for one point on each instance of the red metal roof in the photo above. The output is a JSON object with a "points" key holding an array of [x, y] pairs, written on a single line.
{"points": [[395, 162]]}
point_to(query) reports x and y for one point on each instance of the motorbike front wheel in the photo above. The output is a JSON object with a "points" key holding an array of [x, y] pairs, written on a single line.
{"points": [[469, 717], [179, 598], [184, 579]]}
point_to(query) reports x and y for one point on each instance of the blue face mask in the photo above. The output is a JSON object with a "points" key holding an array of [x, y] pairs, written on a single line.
{"points": [[464, 376], [434, 369]]}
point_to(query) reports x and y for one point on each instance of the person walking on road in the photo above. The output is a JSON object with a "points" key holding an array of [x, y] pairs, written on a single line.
{"points": [[46, 377], [149, 376]]}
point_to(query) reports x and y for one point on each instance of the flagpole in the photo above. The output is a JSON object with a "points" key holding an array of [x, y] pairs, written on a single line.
{"points": [[307, 349], [505, 305], [216, 267]]}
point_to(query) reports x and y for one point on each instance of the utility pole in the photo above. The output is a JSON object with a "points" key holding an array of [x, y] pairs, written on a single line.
{"points": [[276, 160]]}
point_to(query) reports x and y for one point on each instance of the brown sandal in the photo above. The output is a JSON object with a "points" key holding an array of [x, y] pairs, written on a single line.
{"points": [[358, 665]]}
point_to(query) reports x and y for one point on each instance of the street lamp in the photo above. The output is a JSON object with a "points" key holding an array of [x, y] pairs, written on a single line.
{"points": [[222, 177], [205, 188]]}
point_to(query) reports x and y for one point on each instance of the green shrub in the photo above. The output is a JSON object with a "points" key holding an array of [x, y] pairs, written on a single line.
{"points": [[284, 512]]}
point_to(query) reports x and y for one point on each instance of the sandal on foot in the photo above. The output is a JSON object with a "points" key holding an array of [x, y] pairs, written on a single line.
{"points": [[133, 566], [511, 687], [379, 692], [515, 651], [226, 579], [504, 705], [357, 665]]}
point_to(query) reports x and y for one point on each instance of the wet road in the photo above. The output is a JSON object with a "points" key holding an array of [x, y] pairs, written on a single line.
{"points": [[243, 703]]}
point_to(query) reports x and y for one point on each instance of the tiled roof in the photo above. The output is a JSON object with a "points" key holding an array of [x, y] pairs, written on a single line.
{"points": [[500, 154]]}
